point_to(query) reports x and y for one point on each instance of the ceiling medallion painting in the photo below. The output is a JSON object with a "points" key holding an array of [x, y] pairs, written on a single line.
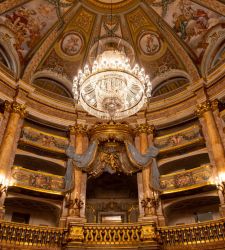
{"points": [[72, 43], [150, 43]]}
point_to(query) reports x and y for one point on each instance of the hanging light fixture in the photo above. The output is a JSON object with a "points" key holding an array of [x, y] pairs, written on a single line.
{"points": [[112, 88]]}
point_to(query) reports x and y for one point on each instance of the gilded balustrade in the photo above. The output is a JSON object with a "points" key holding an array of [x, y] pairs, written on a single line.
{"points": [[205, 232], [116, 234], [178, 140], [42, 140], [27, 235], [91, 235], [37, 181], [187, 179]]}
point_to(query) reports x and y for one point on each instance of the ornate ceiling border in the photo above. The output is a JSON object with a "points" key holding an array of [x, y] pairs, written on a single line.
{"points": [[120, 6]]}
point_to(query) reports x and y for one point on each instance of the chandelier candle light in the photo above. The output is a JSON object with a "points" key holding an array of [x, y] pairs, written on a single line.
{"points": [[112, 89]]}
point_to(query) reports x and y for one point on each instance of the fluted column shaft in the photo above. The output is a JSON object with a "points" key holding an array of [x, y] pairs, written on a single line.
{"points": [[6, 148], [205, 110]]}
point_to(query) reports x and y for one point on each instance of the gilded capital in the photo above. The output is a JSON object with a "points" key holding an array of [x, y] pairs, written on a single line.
{"points": [[78, 129], [145, 128], [203, 107], [18, 108]]}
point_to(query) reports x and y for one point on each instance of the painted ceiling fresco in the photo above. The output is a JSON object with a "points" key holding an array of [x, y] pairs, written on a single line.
{"points": [[169, 38]]}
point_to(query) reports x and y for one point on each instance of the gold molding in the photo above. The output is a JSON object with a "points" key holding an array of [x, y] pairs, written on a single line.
{"points": [[178, 132], [186, 171], [176, 190], [46, 133], [36, 145], [173, 148], [47, 191], [36, 172]]}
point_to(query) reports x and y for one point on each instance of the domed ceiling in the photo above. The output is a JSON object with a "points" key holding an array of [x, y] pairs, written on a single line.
{"points": [[45, 42]]}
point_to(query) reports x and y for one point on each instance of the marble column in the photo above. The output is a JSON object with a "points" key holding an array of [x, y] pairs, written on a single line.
{"points": [[17, 111], [77, 133], [145, 133], [6, 148], [205, 111], [5, 117]]}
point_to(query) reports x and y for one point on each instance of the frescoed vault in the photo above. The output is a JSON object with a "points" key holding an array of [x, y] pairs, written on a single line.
{"points": [[53, 38]]}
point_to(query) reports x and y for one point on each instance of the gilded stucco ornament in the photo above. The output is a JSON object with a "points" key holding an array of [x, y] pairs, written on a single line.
{"points": [[76, 233], [111, 131], [112, 150], [18, 108], [78, 129], [206, 106], [148, 233], [74, 205], [145, 128]]}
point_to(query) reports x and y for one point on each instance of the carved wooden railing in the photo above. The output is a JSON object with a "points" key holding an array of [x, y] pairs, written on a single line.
{"points": [[37, 180], [187, 179], [43, 140], [179, 140], [205, 232], [22, 234]]}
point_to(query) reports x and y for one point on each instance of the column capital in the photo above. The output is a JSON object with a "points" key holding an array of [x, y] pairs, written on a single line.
{"points": [[203, 107], [18, 108], [78, 129], [144, 128]]}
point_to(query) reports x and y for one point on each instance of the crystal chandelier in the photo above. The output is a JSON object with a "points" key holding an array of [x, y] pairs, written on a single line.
{"points": [[112, 89]]}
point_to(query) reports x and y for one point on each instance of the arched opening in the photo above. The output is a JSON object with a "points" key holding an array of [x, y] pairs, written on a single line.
{"points": [[53, 86], [169, 85], [192, 210], [112, 199], [31, 211]]}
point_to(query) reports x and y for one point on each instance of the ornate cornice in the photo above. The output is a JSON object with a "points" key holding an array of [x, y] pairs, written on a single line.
{"points": [[206, 106], [18, 108], [78, 129], [144, 128]]}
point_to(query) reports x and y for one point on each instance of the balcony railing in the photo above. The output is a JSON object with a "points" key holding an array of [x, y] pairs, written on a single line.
{"points": [[42, 140], [115, 234], [187, 179], [205, 232], [27, 235], [123, 235], [179, 140], [37, 181]]}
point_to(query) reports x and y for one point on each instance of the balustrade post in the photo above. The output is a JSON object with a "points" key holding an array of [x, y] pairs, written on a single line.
{"points": [[149, 203], [77, 134], [17, 112]]}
